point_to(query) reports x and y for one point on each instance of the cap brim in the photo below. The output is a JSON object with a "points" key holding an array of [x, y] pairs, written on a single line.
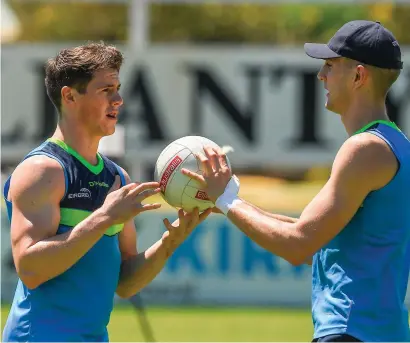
{"points": [[320, 51]]}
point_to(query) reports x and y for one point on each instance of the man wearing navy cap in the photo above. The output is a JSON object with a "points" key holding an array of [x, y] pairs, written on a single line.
{"points": [[358, 227]]}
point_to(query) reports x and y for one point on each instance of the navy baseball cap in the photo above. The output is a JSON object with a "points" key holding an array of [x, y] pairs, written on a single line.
{"points": [[363, 41]]}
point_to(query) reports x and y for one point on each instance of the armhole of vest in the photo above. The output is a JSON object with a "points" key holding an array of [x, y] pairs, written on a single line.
{"points": [[120, 173], [390, 144], [36, 153], [6, 188], [6, 195], [7, 183]]}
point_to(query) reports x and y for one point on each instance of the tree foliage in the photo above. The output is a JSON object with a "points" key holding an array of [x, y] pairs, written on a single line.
{"points": [[287, 24]]}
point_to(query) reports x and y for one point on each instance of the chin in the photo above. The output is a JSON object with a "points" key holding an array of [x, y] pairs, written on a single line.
{"points": [[328, 106], [108, 131], [331, 108]]}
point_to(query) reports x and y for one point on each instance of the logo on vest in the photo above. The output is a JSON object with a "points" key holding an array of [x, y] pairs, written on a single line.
{"points": [[97, 184], [83, 193]]}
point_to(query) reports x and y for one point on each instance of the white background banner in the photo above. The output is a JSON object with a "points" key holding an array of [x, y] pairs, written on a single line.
{"points": [[218, 264], [266, 103]]}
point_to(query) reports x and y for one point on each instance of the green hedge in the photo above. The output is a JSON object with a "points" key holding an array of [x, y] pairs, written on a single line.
{"points": [[210, 23]]}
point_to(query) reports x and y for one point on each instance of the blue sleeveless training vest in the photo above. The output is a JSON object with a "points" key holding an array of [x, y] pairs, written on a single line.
{"points": [[360, 278], [76, 305]]}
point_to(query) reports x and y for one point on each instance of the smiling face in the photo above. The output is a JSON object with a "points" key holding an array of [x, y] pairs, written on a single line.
{"points": [[96, 109]]}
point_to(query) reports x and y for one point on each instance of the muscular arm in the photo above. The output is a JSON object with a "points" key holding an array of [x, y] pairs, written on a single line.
{"points": [[36, 188], [280, 217], [138, 269], [331, 210]]}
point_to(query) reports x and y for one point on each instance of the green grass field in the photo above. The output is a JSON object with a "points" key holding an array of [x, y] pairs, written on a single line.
{"points": [[210, 324]]}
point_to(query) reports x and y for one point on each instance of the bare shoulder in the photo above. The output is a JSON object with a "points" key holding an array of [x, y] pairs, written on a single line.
{"points": [[36, 189], [367, 157], [38, 177]]}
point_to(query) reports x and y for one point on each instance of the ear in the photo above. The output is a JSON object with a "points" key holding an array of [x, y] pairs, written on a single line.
{"points": [[67, 95], [361, 75]]}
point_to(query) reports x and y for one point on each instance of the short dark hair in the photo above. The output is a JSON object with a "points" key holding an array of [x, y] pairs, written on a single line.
{"points": [[76, 66], [383, 78]]}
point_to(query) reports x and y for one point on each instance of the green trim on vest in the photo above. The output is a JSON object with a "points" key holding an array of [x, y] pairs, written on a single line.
{"points": [[95, 169], [385, 122], [72, 217]]}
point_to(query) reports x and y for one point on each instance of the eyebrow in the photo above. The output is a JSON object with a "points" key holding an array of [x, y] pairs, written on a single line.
{"points": [[110, 85]]}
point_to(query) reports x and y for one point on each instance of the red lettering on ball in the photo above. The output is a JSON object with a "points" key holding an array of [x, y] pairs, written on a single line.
{"points": [[201, 195], [176, 161]]}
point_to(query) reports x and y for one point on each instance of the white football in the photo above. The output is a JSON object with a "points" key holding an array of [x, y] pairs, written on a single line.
{"points": [[177, 189]]}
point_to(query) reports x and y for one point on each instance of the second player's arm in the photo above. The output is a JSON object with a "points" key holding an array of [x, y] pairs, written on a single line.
{"points": [[280, 217], [363, 164]]}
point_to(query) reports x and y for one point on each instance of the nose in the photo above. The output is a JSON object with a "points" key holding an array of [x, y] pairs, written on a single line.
{"points": [[118, 101], [321, 74]]}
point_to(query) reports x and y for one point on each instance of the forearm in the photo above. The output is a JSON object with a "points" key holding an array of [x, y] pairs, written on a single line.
{"points": [[138, 271], [280, 217], [51, 257], [276, 234]]}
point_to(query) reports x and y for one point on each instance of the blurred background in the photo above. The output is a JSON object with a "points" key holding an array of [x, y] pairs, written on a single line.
{"points": [[234, 72]]}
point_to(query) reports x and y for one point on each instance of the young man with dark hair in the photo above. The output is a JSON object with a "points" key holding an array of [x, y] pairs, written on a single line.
{"points": [[71, 210]]}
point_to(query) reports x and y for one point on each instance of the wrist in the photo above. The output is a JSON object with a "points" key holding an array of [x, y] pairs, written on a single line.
{"points": [[166, 246], [226, 203], [229, 198], [101, 219]]}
